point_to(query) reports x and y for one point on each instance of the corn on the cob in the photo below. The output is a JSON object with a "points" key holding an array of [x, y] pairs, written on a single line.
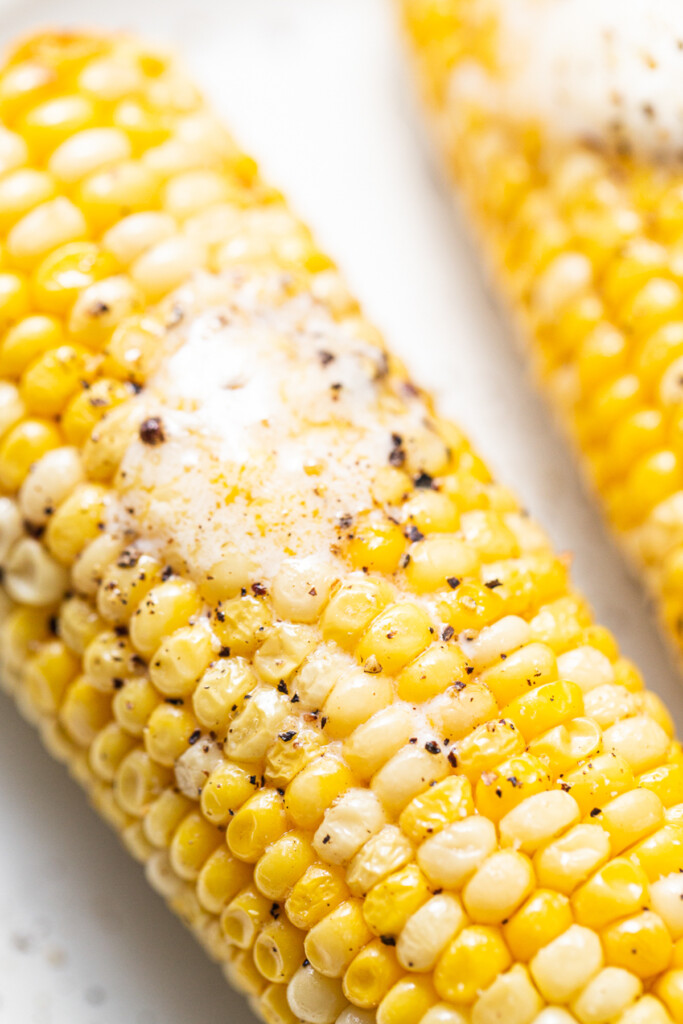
{"points": [[314, 665], [582, 233]]}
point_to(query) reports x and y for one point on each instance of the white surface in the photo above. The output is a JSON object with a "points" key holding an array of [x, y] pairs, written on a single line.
{"points": [[317, 90]]}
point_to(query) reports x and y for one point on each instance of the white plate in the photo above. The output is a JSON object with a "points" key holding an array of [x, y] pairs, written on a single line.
{"points": [[316, 89]]}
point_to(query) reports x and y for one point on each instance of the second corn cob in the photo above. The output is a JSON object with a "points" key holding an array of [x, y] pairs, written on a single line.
{"points": [[328, 682], [582, 228]]}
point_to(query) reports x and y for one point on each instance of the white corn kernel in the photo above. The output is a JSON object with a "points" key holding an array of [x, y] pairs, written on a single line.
{"points": [[444, 1013], [639, 740], [347, 825], [498, 887], [11, 406], [318, 674], [387, 851], [194, 766], [428, 931], [301, 588], [166, 265], [563, 967], [607, 995], [450, 857], [137, 233], [485, 647], [314, 998], [255, 728], [666, 899], [11, 527], [32, 576], [373, 743], [609, 703], [44, 228], [283, 651], [49, 482], [511, 999], [409, 772], [538, 819], [87, 151], [586, 666]]}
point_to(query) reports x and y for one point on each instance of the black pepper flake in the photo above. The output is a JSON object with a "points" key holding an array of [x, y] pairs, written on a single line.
{"points": [[397, 455], [432, 747], [259, 589], [452, 759], [492, 584], [424, 480], [295, 699], [387, 940], [413, 739], [306, 963], [152, 431], [323, 721], [176, 701], [595, 812], [447, 633], [224, 652], [282, 686], [194, 736], [452, 582], [326, 839], [253, 780], [469, 669], [166, 572], [53, 624], [514, 781], [325, 357], [288, 735], [345, 521], [127, 559], [413, 534], [458, 685], [117, 683], [274, 911]]}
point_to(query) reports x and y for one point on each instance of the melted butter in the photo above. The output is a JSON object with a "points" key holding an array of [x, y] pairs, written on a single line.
{"points": [[276, 420], [607, 71]]}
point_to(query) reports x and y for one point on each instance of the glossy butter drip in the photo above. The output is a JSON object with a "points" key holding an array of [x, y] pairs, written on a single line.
{"points": [[275, 422], [607, 71]]}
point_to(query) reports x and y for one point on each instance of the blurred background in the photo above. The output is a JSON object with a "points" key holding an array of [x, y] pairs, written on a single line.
{"points": [[318, 92]]}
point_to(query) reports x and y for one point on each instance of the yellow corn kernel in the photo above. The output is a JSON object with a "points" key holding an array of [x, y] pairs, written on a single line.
{"points": [[631, 817], [486, 746], [471, 963], [395, 637], [138, 782], [441, 805], [132, 352], [124, 585], [598, 781], [225, 790], [133, 704], [108, 750], [376, 544], [168, 733], [497, 792], [528, 667], [165, 608], [544, 916], [245, 916], [84, 711], [407, 1001], [567, 745], [66, 272], [242, 624], [465, 708], [27, 340], [257, 824], [660, 852], [544, 708], [77, 521], [319, 890], [432, 672], [279, 951], [354, 698], [437, 560], [194, 841], [470, 606], [371, 974], [107, 195], [538, 819], [392, 901], [431, 512], [313, 790], [48, 673], [666, 782], [409, 772], [333, 943], [182, 657], [639, 944], [24, 445], [615, 890], [352, 608], [220, 879], [163, 817], [281, 866], [48, 124]]}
